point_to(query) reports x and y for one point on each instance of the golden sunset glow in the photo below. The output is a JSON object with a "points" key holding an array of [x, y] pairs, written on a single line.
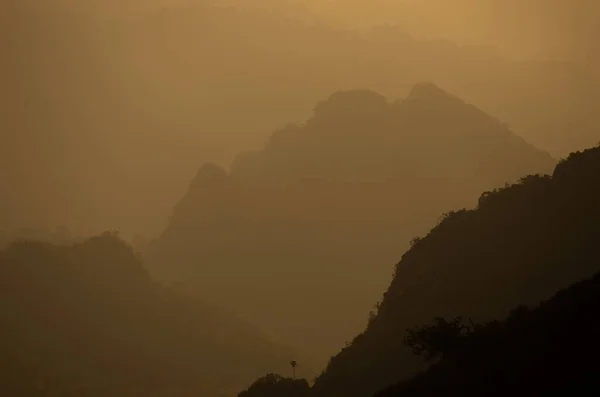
{"points": [[298, 198]]}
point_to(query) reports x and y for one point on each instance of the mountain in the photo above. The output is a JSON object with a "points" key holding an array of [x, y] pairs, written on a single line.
{"points": [[519, 246], [87, 320], [108, 103], [532, 351], [564, 32], [59, 236], [299, 236], [89, 117]]}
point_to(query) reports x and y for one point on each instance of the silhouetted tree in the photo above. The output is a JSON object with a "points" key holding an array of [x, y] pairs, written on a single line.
{"points": [[437, 339], [294, 364], [534, 351]]}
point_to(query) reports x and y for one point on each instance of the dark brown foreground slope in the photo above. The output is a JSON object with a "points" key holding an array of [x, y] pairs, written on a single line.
{"points": [[551, 350], [521, 245]]}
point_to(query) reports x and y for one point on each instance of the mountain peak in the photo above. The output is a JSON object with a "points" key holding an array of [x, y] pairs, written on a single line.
{"points": [[355, 102], [429, 91], [209, 174]]}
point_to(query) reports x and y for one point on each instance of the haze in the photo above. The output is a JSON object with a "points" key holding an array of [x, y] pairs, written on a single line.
{"points": [[271, 160]]}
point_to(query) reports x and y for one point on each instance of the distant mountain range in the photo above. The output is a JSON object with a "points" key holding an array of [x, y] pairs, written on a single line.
{"points": [[102, 111], [87, 320]]}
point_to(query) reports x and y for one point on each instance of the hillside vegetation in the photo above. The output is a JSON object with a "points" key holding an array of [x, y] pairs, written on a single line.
{"points": [[519, 246], [550, 350]]}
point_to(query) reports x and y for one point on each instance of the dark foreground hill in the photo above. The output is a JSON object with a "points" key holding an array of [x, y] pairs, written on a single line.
{"points": [[87, 321], [301, 235], [551, 350], [521, 245]]}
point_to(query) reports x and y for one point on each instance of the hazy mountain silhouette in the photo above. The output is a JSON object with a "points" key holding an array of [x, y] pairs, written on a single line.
{"points": [[331, 203], [59, 236], [108, 103], [532, 352], [108, 107], [88, 118], [87, 320], [540, 29], [521, 245]]}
